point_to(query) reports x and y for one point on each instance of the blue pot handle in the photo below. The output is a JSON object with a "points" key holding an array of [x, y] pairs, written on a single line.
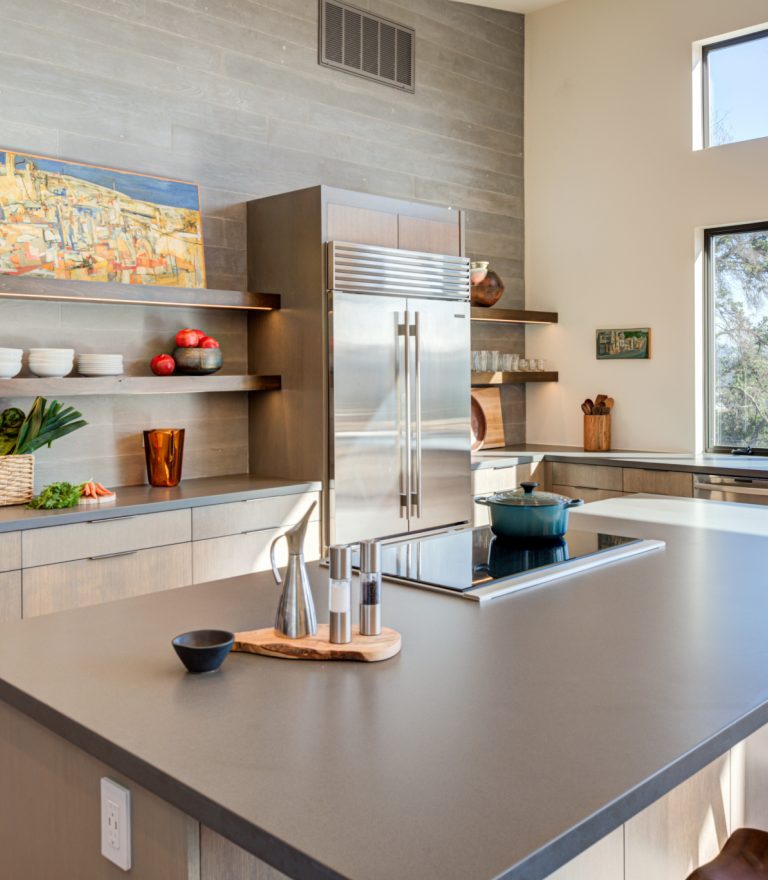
{"points": [[483, 499], [575, 502]]}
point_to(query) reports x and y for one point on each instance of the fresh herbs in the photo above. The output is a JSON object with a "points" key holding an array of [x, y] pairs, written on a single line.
{"points": [[22, 435], [57, 496]]}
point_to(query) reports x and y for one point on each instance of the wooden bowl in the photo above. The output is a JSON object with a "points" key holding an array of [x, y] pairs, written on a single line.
{"points": [[488, 292], [198, 361]]}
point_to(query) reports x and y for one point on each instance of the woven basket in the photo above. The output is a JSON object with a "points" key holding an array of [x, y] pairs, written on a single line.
{"points": [[17, 475]]}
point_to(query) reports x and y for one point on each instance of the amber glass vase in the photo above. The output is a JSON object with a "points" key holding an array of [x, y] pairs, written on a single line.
{"points": [[164, 452]]}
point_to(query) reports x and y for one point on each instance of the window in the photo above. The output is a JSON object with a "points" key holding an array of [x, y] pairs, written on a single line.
{"points": [[735, 97], [737, 307]]}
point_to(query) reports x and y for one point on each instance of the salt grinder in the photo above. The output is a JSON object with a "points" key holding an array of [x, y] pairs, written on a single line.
{"points": [[340, 594], [370, 588]]}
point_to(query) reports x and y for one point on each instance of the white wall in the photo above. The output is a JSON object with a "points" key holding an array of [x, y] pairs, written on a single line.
{"points": [[615, 195]]}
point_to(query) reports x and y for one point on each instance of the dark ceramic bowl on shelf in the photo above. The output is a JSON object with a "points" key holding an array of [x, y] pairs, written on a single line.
{"points": [[203, 650], [488, 291], [198, 361]]}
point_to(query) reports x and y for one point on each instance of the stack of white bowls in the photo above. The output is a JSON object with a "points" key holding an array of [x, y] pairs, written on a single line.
{"points": [[51, 362], [10, 362], [100, 364]]}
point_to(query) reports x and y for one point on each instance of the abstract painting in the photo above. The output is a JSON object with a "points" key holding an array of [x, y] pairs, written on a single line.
{"points": [[613, 345], [87, 223]]}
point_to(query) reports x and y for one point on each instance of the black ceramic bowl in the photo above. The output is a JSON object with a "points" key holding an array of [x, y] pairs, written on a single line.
{"points": [[203, 650]]}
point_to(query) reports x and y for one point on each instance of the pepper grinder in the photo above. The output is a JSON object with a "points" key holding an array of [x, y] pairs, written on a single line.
{"points": [[370, 588], [340, 594]]}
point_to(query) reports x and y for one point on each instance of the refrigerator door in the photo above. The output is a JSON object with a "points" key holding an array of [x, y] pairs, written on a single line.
{"points": [[439, 383], [368, 468]]}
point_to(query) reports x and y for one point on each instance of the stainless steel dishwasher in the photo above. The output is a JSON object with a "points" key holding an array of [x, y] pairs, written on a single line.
{"points": [[747, 490]]}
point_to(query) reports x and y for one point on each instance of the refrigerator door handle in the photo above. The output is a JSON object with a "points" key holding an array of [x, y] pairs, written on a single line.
{"points": [[402, 374], [416, 494]]}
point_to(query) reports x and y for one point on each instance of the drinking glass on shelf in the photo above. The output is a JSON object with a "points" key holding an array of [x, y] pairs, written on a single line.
{"points": [[495, 361], [514, 365], [540, 364], [523, 365], [506, 363]]}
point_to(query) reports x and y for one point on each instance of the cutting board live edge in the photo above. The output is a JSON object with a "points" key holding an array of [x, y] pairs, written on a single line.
{"points": [[270, 643], [489, 400]]}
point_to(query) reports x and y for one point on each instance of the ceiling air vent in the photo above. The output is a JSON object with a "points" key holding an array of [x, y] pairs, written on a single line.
{"points": [[366, 45]]}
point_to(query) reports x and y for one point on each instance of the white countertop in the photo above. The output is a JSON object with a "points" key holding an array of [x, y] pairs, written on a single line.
{"points": [[612, 513]]}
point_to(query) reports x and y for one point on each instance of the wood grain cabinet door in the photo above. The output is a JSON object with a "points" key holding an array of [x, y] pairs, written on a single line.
{"points": [[429, 236], [238, 517], [676, 483], [10, 551], [10, 595]]}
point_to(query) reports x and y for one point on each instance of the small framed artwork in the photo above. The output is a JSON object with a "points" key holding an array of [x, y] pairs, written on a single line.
{"points": [[615, 345]]}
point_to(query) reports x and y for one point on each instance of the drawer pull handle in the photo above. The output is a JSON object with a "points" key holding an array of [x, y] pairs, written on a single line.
{"points": [[106, 519], [113, 555]]}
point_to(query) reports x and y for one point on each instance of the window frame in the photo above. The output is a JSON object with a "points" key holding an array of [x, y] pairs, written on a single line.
{"points": [[709, 336], [705, 52]]}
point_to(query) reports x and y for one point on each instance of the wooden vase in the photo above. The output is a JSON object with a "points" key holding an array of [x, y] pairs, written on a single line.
{"points": [[597, 433], [488, 292]]}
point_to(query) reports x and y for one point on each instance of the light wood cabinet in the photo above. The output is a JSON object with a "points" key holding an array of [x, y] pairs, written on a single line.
{"points": [[586, 495], [10, 595], [233, 555], [429, 236], [10, 551], [99, 537], [683, 829], [220, 859], [588, 476], [216, 520], [676, 483], [58, 587], [361, 225]]}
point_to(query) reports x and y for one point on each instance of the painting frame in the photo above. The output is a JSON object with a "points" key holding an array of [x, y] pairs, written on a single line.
{"points": [[70, 220], [630, 343]]}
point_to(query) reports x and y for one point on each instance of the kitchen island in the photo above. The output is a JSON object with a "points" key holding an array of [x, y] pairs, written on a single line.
{"points": [[503, 741]]}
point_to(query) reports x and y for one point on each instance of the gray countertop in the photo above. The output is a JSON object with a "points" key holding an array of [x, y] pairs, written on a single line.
{"points": [[133, 500], [705, 463], [504, 739]]}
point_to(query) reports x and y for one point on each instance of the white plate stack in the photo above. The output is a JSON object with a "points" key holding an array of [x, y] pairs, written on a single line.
{"points": [[100, 364], [51, 362], [10, 362]]}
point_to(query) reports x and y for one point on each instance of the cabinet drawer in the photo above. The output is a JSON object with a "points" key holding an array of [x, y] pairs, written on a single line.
{"points": [[101, 536], [216, 520], [584, 493], [658, 482], [232, 555], [10, 595], [588, 476], [485, 480], [49, 588], [10, 551]]}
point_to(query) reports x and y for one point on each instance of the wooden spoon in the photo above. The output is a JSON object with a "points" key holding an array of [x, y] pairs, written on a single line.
{"points": [[608, 403], [600, 399], [586, 410], [591, 404]]}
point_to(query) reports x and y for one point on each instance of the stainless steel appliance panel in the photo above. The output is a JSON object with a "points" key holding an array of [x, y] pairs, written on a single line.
{"points": [[367, 408], [747, 490], [439, 375]]}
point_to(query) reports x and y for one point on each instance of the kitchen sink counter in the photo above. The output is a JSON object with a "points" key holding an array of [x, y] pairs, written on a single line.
{"points": [[705, 463], [504, 740], [135, 500]]}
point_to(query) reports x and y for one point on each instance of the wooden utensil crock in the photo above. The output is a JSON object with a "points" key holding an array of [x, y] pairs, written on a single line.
{"points": [[597, 433]]}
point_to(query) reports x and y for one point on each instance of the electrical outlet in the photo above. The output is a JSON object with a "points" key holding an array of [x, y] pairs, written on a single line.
{"points": [[116, 823]]}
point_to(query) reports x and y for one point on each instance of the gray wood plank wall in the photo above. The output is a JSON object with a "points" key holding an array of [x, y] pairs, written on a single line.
{"points": [[229, 94]]}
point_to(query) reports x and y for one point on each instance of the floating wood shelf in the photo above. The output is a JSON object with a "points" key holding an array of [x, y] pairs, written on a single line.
{"points": [[512, 316], [29, 287], [518, 378], [81, 386]]}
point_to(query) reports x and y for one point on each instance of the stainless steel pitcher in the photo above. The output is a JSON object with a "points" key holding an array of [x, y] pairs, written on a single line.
{"points": [[296, 612]]}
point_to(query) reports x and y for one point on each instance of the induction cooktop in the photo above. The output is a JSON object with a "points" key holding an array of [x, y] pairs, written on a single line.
{"points": [[478, 565]]}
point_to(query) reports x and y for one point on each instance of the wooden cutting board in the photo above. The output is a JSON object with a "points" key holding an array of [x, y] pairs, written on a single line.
{"points": [[369, 649], [489, 400]]}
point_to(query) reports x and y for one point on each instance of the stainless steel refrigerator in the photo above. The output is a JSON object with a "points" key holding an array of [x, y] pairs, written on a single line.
{"points": [[399, 391]]}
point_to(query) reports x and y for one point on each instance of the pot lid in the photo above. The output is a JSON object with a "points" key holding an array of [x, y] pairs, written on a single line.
{"points": [[527, 496]]}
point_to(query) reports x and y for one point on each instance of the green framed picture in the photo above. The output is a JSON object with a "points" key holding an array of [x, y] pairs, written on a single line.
{"points": [[620, 345]]}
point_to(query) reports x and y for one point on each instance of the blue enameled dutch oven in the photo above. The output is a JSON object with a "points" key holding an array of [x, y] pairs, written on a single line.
{"points": [[525, 513]]}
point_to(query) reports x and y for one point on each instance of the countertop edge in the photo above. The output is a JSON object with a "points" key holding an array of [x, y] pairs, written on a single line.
{"points": [[88, 512], [276, 852]]}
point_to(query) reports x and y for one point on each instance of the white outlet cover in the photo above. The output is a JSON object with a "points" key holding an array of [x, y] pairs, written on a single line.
{"points": [[116, 823]]}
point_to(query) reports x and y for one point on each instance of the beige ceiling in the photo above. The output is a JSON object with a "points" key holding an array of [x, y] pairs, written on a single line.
{"points": [[515, 5]]}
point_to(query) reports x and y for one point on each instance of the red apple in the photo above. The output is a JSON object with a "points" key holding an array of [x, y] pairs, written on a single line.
{"points": [[207, 342], [162, 365], [189, 338]]}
